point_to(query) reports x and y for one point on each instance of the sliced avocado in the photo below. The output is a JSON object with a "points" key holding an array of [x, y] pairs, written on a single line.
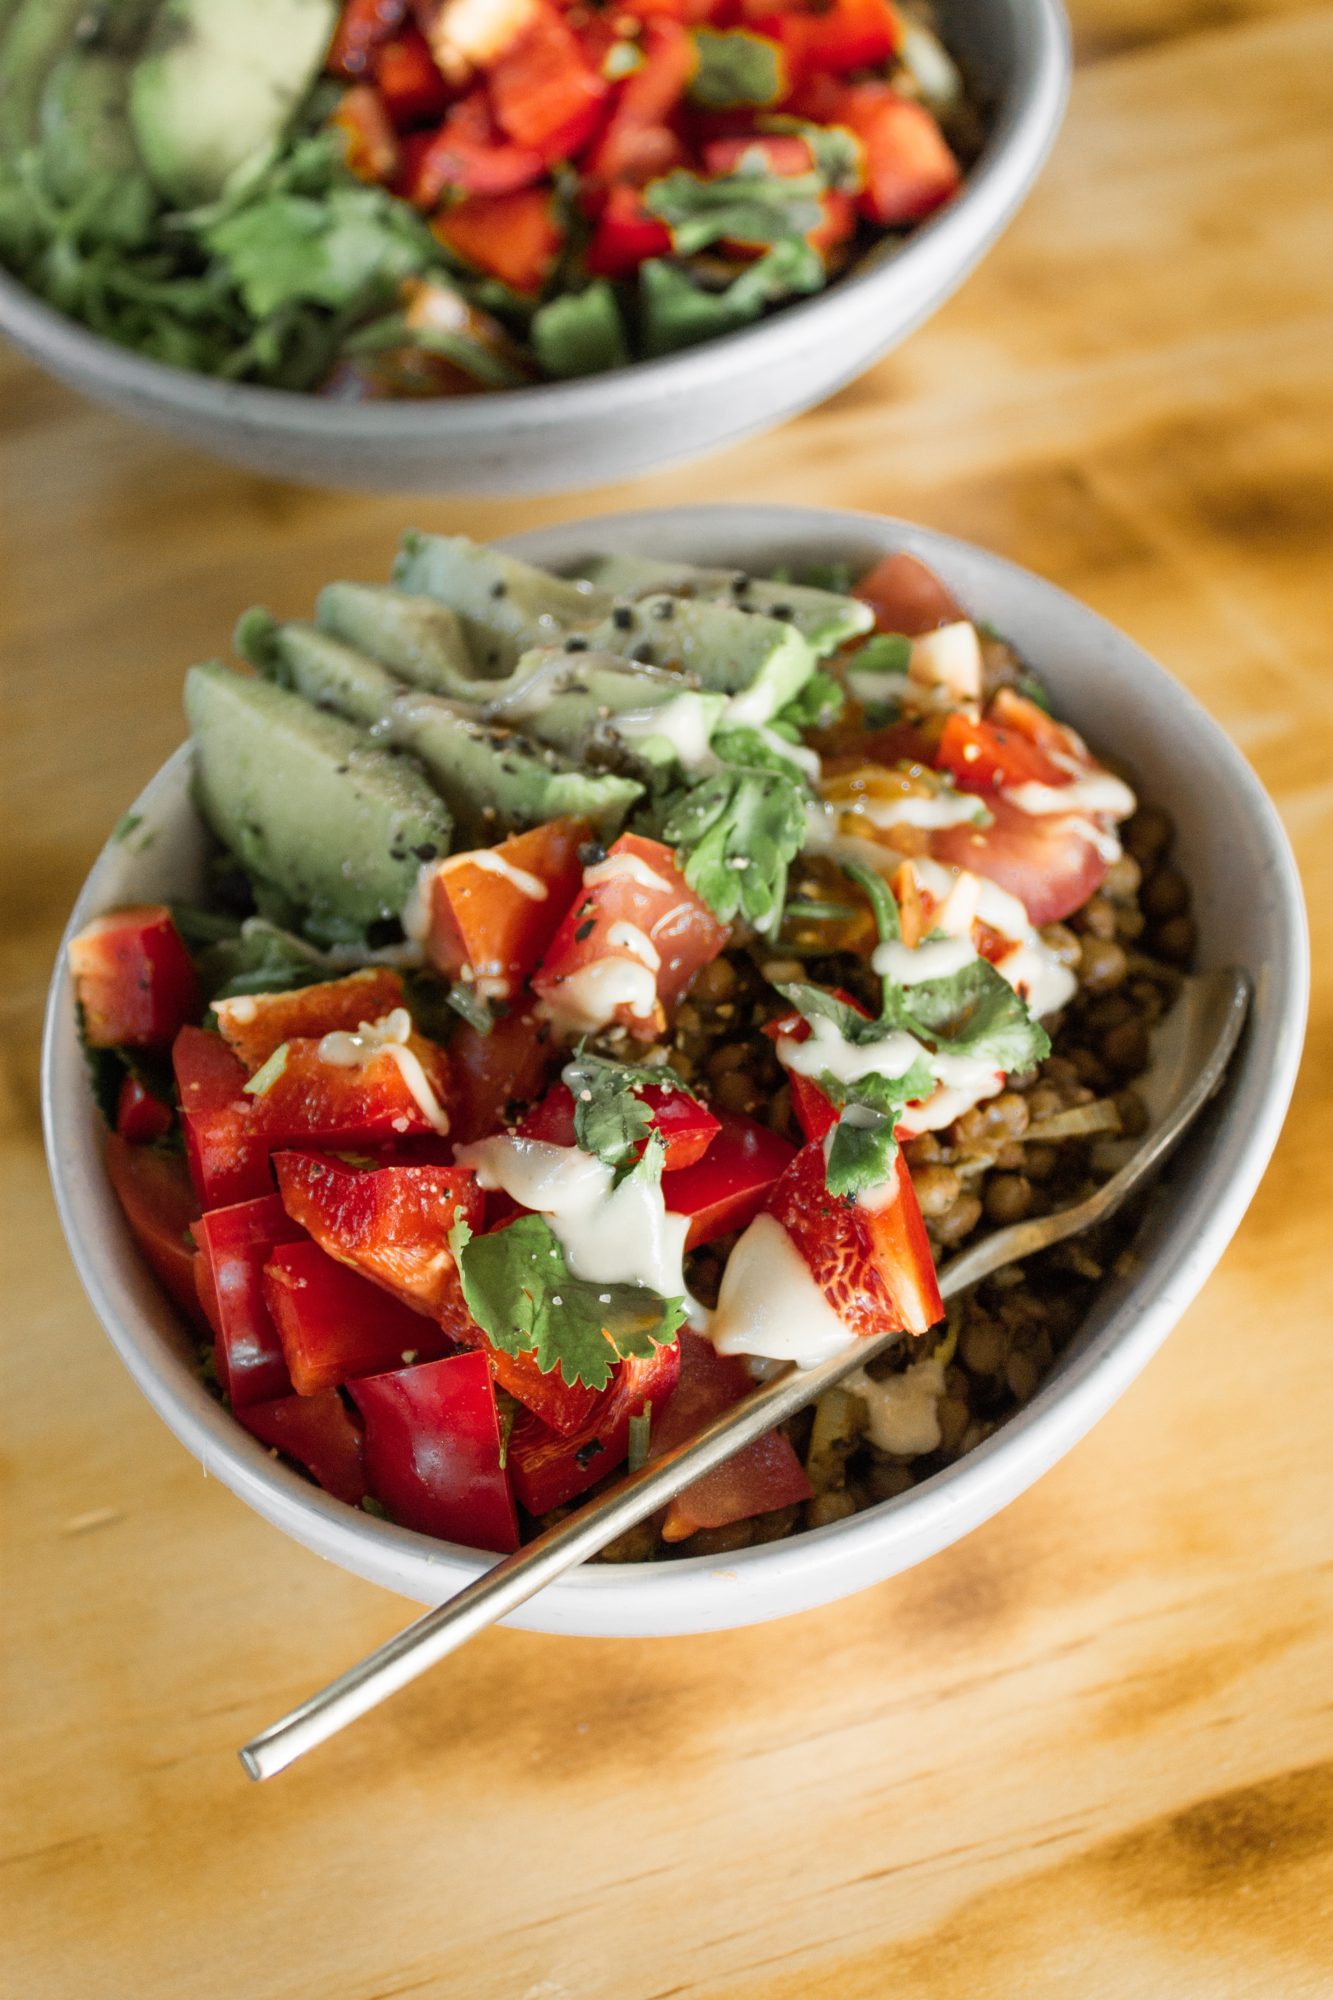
{"points": [[493, 780], [307, 801], [217, 84], [418, 637], [38, 34], [823, 617], [84, 122], [572, 701], [505, 606], [716, 646]]}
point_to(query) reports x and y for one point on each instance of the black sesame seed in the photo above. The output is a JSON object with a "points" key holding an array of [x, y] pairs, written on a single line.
{"points": [[576, 645], [622, 618], [591, 853], [643, 653], [783, 611], [665, 607], [740, 583], [427, 851], [585, 931], [500, 589]]}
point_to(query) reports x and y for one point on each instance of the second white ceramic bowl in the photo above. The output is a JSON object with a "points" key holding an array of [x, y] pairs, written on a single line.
{"points": [[1249, 910]]}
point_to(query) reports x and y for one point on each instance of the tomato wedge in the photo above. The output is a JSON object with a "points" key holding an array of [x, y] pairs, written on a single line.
{"points": [[979, 756], [686, 1127], [133, 979], [253, 1025], [907, 597], [334, 1324], [726, 1189], [630, 944], [237, 1242], [549, 1469], [227, 1162], [432, 1451], [154, 1192], [1048, 860], [873, 1265], [760, 1477], [318, 1432], [493, 912]]}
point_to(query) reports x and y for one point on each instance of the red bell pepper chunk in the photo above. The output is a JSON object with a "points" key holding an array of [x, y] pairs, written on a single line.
{"points": [[814, 1113], [686, 1127], [362, 26], [206, 1293], [1021, 717], [408, 81], [318, 1432], [154, 1192], [979, 756], [498, 1074], [544, 92], [755, 1480], [907, 597], [637, 889], [140, 1116], [639, 143], [390, 1225], [467, 155], [133, 978], [850, 34], [784, 154], [873, 1265], [253, 1025], [334, 1324], [909, 168], [237, 1243], [838, 225], [370, 1102], [726, 1189], [432, 1451], [625, 236], [227, 1162], [370, 144], [494, 911], [549, 1469], [513, 237]]}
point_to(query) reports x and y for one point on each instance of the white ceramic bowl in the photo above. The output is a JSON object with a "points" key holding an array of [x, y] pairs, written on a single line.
{"points": [[610, 427], [1249, 910]]}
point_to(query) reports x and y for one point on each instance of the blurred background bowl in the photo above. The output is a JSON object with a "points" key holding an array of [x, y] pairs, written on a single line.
{"points": [[558, 436]]}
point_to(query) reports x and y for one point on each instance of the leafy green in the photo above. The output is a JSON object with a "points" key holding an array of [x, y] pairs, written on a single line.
{"points": [[882, 653], [520, 1289], [747, 206], [678, 311], [469, 1005], [610, 1118], [815, 706], [736, 68], [975, 1012], [267, 1074], [255, 957], [337, 249], [735, 834], [580, 333]]}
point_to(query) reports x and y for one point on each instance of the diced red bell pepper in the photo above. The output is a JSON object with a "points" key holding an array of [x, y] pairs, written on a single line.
{"points": [[334, 1324], [686, 1127], [784, 154], [432, 1451], [513, 237], [133, 978], [755, 1480], [726, 1189], [548, 1469], [468, 155], [237, 1243], [907, 597], [563, 1407], [979, 756], [625, 235], [494, 911], [838, 225], [833, 40], [639, 143], [391, 1224], [636, 902], [370, 144], [544, 92], [318, 1432], [408, 81], [153, 1189], [253, 1025], [909, 168], [140, 1116], [1022, 717], [228, 1163], [206, 1293], [498, 1074], [873, 1265], [362, 26], [317, 1102]]}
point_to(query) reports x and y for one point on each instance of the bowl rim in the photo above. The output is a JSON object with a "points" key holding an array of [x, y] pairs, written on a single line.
{"points": [[700, 1592], [1024, 130]]}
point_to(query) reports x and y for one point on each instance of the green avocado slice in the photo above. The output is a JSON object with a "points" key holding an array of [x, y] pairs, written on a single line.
{"points": [[825, 618]]}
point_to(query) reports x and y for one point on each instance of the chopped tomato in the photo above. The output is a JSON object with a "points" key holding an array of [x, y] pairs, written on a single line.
{"points": [[638, 143], [625, 236], [370, 145], [133, 979], [755, 1480], [873, 1265], [363, 1103], [391, 1224], [634, 908], [783, 153], [981, 755], [255, 1024], [726, 1189], [432, 1451], [362, 26], [549, 1469], [838, 225], [515, 237], [153, 1189], [848, 35], [544, 92], [318, 1432], [408, 81], [498, 1074], [140, 1116], [686, 1127], [1047, 860], [907, 597], [237, 1242], [1022, 717], [493, 912], [469, 154], [334, 1324], [909, 168], [227, 1162]]}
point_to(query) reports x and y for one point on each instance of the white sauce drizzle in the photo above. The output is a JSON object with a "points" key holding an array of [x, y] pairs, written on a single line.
{"points": [[588, 998], [616, 867], [492, 862], [938, 959], [770, 1305], [686, 723], [388, 1036], [1095, 792], [923, 809], [628, 937]]}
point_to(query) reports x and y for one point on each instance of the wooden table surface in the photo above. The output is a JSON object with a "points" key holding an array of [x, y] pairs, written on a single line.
{"points": [[1087, 1751]]}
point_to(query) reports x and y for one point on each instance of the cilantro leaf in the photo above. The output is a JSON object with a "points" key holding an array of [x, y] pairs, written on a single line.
{"points": [[610, 1118], [340, 249], [882, 653], [975, 1012], [520, 1289], [863, 1146], [677, 311], [736, 834], [814, 706], [736, 68], [580, 333], [747, 206]]}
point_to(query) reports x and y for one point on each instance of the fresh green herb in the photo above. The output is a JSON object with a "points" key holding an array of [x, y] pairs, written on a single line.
{"points": [[466, 1000], [1035, 691], [257, 957], [621, 60], [679, 311], [747, 206], [521, 1291], [125, 826], [812, 910], [580, 333], [610, 1118], [736, 833], [339, 248], [815, 706], [882, 653], [736, 68], [267, 1074]]}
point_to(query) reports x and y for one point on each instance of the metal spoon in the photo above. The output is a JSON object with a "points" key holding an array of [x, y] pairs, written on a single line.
{"points": [[1190, 1057]]}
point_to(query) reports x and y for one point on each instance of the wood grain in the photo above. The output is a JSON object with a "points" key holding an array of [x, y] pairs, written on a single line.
{"points": [[1089, 1750]]}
